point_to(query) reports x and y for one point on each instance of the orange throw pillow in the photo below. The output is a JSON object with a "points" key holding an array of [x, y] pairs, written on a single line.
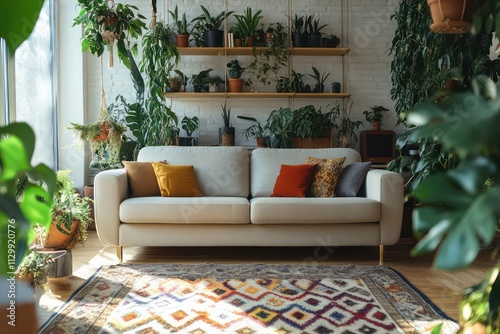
{"points": [[293, 180], [326, 177], [176, 180], [141, 179]]}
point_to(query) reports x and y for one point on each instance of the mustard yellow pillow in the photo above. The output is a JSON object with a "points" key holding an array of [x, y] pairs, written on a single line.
{"points": [[176, 180], [326, 177]]}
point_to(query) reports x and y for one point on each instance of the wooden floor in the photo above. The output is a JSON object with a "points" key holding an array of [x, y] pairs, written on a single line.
{"points": [[443, 288]]}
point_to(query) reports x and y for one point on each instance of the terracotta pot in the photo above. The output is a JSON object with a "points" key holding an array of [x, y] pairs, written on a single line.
{"points": [[182, 40], [235, 85], [261, 142], [250, 41], [58, 240], [237, 42], [375, 125], [104, 133], [451, 16], [175, 86]]}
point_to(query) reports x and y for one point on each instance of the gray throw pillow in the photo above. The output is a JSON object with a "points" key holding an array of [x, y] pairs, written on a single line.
{"points": [[352, 178]]}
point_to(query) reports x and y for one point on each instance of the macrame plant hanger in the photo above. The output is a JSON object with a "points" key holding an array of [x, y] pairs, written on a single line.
{"points": [[153, 14], [103, 110], [109, 36]]}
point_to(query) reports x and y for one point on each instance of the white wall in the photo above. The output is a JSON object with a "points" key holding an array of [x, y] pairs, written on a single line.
{"points": [[369, 33]]}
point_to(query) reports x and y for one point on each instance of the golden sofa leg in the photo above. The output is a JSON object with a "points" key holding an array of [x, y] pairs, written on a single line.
{"points": [[119, 253], [381, 255]]}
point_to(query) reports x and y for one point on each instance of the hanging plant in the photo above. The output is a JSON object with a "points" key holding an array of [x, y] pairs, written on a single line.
{"points": [[106, 23]]}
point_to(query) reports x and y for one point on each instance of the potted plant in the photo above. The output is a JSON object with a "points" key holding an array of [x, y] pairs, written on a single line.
{"points": [[174, 83], [314, 30], [311, 128], [268, 63], [451, 16], [70, 215], [199, 81], [374, 116], [299, 36], [226, 133], [234, 71], [189, 125], [104, 23], [33, 270], [346, 136], [297, 82], [237, 40], [257, 131], [184, 80], [273, 35], [279, 124], [320, 80], [212, 35], [247, 25], [105, 137], [214, 82], [182, 37]]}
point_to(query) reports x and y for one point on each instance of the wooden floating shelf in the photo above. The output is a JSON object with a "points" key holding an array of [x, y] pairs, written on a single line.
{"points": [[248, 51], [259, 95]]}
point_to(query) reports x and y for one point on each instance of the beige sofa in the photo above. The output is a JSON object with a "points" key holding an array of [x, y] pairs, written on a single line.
{"points": [[237, 209]]}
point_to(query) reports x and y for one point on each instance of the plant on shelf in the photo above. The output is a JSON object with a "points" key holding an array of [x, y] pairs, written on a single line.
{"points": [[182, 25], [214, 82], [247, 25], [374, 116], [174, 83], [346, 136], [257, 131], [226, 133], [234, 71], [104, 23], [200, 80], [210, 25], [314, 30], [298, 82], [299, 34], [269, 63], [184, 79], [273, 35], [189, 125], [279, 124], [320, 80]]}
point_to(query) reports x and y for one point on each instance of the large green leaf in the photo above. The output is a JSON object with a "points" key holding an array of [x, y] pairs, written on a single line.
{"points": [[17, 20]]}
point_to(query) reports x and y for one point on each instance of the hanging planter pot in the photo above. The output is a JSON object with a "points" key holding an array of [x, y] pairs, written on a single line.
{"points": [[451, 16]]}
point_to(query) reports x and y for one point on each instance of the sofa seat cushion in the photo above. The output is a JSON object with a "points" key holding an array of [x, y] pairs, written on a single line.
{"points": [[185, 210], [276, 210]]}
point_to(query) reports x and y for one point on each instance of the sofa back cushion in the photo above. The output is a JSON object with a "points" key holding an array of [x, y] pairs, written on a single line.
{"points": [[265, 164], [220, 171]]}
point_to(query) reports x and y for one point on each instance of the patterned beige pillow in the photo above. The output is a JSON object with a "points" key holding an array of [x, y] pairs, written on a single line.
{"points": [[326, 177]]}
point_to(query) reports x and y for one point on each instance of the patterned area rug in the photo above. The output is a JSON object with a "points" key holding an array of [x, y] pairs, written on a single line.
{"points": [[253, 298]]}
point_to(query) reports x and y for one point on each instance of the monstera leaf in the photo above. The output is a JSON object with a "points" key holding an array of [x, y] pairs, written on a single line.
{"points": [[17, 20]]}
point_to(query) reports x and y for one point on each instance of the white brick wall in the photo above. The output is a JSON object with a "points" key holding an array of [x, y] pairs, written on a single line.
{"points": [[369, 33]]}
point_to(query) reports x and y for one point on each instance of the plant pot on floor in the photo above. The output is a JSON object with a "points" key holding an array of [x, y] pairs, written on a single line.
{"points": [[56, 239], [213, 38], [226, 136], [235, 85], [182, 41], [451, 16]]}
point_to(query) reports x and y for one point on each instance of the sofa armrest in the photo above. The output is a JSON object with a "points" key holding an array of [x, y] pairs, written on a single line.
{"points": [[387, 188], [110, 189]]}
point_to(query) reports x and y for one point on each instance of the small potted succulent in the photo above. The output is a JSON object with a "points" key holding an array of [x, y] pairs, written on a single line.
{"points": [[374, 116], [234, 71]]}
